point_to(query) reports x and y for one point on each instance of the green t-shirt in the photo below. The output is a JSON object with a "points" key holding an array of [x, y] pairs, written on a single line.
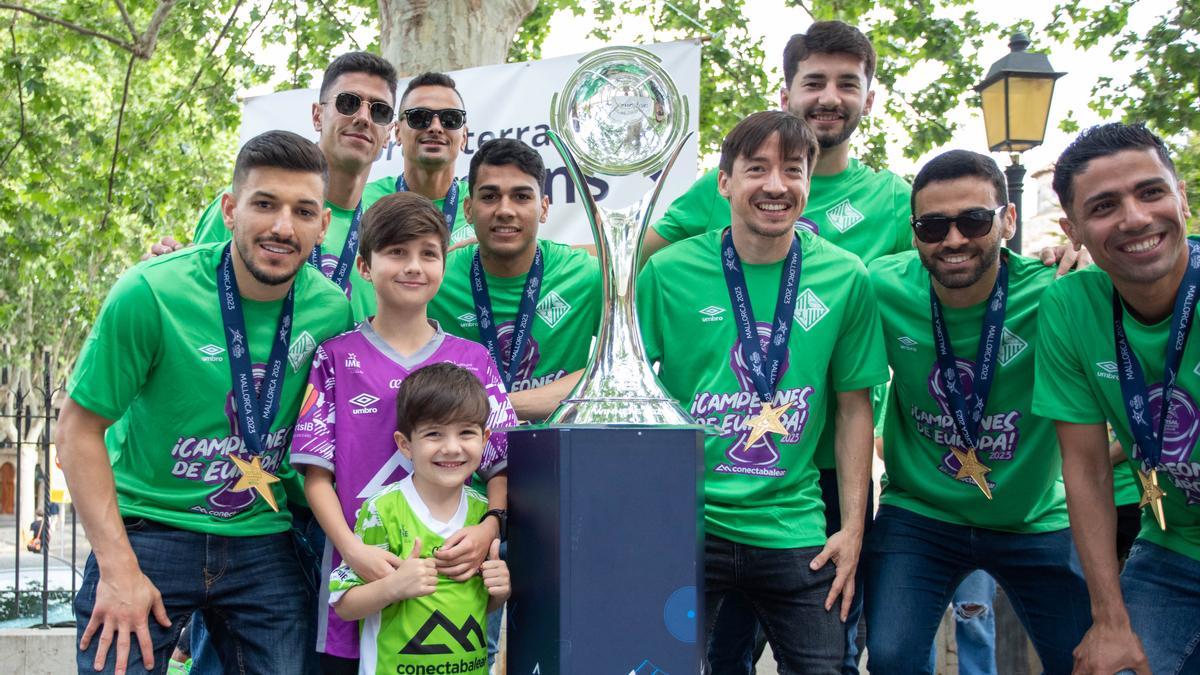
{"points": [[1077, 382], [445, 632], [211, 228], [768, 495], [863, 211], [568, 310], [1020, 448], [156, 363]]}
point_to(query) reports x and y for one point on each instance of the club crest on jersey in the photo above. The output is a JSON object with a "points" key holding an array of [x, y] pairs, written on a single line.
{"points": [[1011, 346], [552, 308], [300, 353], [809, 309], [844, 216]]}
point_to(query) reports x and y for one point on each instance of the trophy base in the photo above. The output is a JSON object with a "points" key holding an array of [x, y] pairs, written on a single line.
{"points": [[631, 411]]}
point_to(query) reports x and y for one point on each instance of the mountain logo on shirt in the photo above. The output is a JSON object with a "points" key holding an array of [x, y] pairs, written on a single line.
{"points": [[809, 309], [1011, 346], [211, 353], [467, 320], [1108, 370], [460, 634], [363, 404], [300, 353], [844, 216], [907, 344], [712, 313], [552, 308]]}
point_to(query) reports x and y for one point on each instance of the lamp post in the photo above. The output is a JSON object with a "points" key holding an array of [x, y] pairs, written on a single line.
{"points": [[1016, 98]]}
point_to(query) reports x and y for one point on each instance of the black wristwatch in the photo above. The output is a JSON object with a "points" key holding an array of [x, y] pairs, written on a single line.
{"points": [[502, 518]]}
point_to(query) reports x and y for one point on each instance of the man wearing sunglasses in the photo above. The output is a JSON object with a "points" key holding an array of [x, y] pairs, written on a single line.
{"points": [[972, 474], [1115, 346]]}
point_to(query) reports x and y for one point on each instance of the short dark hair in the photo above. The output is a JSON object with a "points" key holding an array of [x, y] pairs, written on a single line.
{"points": [[359, 62], [398, 218], [1103, 140], [795, 136], [279, 150], [827, 37], [956, 164], [508, 151], [442, 393], [432, 79]]}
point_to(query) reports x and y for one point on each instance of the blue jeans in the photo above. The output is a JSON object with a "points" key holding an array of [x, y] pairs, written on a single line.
{"points": [[1163, 600], [787, 598], [974, 625], [736, 641], [913, 564], [251, 590]]}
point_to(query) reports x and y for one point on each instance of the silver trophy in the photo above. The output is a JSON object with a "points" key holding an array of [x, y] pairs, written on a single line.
{"points": [[619, 113]]}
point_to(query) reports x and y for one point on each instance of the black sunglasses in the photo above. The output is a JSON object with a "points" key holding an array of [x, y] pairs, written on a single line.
{"points": [[421, 118], [971, 224], [349, 104]]}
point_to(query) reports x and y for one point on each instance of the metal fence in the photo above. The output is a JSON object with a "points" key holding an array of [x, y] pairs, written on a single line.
{"points": [[28, 602]]}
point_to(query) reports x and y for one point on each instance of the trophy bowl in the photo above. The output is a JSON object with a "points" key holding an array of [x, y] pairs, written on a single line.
{"points": [[620, 113]]}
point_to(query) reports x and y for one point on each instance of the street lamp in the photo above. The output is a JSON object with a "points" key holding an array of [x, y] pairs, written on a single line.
{"points": [[1016, 106]]}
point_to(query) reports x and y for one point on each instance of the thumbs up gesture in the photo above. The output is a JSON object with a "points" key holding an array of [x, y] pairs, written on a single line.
{"points": [[495, 574], [413, 577]]}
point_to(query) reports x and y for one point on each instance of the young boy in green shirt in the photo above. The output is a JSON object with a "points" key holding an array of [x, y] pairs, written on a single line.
{"points": [[441, 417]]}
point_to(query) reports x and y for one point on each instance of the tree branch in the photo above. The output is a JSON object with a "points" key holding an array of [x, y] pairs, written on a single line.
{"points": [[341, 24], [72, 26], [145, 44], [20, 97], [112, 169], [126, 18]]}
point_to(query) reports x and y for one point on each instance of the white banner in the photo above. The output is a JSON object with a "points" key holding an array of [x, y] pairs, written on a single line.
{"points": [[513, 101]]}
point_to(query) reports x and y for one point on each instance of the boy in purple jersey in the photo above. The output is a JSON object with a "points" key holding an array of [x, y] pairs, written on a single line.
{"points": [[344, 435]]}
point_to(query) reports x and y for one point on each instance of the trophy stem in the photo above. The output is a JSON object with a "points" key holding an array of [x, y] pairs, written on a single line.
{"points": [[618, 386]]}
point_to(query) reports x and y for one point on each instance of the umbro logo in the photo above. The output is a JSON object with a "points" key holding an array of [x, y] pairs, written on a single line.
{"points": [[1107, 370], [552, 308], [907, 344], [364, 404], [467, 320], [844, 216], [809, 309], [211, 353], [300, 353], [1011, 346], [712, 313]]}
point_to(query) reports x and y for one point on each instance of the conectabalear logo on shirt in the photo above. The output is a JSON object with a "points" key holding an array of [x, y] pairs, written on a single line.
{"points": [[206, 461], [731, 414]]}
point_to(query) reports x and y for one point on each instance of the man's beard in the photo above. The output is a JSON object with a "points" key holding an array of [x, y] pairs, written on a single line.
{"points": [[826, 140], [988, 258], [261, 275]]}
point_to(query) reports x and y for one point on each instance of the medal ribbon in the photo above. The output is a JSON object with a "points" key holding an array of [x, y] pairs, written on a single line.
{"points": [[967, 422], [1133, 383], [522, 326], [449, 204], [256, 411], [341, 273], [765, 375]]}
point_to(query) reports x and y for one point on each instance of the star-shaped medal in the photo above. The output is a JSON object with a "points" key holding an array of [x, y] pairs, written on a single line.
{"points": [[1152, 496], [254, 476], [971, 467], [768, 420]]}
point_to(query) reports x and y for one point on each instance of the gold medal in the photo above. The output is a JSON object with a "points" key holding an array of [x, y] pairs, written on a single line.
{"points": [[971, 467], [1152, 496], [254, 476], [768, 420]]}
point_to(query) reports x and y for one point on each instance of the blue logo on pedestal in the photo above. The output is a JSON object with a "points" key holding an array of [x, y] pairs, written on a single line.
{"points": [[679, 614]]}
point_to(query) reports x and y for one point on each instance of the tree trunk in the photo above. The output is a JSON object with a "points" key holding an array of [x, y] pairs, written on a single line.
{"points": [[443, 35]]}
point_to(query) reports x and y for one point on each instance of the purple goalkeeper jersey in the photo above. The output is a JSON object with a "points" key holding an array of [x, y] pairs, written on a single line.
{"points": [[346, 426]]}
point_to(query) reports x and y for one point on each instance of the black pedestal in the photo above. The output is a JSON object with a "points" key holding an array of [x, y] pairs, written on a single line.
{"points": [[605, 548]]}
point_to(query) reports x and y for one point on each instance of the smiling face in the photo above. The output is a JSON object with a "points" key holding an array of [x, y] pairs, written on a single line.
{"points": [[506, 206], [352, 142], [831, 93], [1131, 212], [406, 275], [436, 146], [276, 216], [766, 191], [444, 455], [956, 261]]}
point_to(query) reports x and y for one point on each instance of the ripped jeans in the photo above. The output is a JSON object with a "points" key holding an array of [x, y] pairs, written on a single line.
{"points": [[974, 625]]}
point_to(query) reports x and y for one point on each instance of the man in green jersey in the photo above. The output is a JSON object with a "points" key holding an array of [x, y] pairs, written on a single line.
{"points": [[1115, 347], [541, 296], [972, 476], [818, 326], [195, 368]]}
